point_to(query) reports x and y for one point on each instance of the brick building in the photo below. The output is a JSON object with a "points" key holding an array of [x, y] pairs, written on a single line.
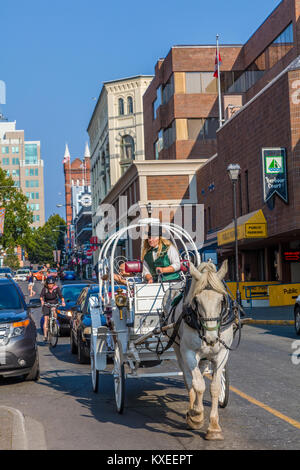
{"points": [[77, 196], [268, 119]]}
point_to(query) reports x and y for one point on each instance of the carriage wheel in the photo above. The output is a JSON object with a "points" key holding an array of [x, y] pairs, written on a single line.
{"points": [[119, 377], [224, 394], [94, 371]]}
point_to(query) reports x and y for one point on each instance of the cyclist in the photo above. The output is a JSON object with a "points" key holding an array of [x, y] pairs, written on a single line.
{"points": [[50, 294]]}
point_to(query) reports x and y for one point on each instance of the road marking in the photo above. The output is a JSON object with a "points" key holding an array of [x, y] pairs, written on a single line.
{"points": [[251, 321], [276, 413]]}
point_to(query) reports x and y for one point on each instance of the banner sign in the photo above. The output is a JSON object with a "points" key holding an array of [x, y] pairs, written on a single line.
{"points": [[274, 173], [2, 217]]}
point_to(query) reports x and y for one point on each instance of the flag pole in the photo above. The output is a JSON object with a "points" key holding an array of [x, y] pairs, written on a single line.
{"points": [[219, 84]]}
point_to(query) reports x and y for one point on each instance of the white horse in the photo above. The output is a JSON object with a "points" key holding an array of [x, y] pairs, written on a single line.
{"points": [[205, 299]]}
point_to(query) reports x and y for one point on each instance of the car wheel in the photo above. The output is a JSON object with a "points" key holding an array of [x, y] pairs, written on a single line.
{"points": [[72, 343], [81, 357], [297, 320], [34, 374]]}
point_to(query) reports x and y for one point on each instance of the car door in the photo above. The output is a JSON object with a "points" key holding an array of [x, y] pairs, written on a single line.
{"points": [[78, 314]]}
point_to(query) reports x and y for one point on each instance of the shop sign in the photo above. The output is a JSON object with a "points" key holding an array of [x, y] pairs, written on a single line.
{"points": [[291, 256], [274, 173]]}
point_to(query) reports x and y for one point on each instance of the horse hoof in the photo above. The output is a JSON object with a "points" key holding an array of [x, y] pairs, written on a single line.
{"points": [[194, 422], [214, 436]]}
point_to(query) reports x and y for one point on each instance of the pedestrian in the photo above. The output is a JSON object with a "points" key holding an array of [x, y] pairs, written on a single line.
{"points": [[31, 280]]}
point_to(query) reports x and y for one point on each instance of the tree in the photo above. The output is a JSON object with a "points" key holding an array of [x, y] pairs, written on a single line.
{"points": [[12, 260], [17, 216], [43, 241]]}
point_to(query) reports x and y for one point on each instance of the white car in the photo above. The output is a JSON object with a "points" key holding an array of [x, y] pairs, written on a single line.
{"points": [[6, 272], [21, 275]]}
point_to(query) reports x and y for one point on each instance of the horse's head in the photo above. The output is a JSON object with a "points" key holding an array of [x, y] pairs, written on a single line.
{"points": [[206, 297]]}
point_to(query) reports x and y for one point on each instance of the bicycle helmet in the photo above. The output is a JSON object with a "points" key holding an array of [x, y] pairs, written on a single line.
{"points": [[50, 280]]}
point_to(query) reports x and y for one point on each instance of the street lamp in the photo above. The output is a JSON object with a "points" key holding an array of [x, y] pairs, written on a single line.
{"points": [[234, 173]]}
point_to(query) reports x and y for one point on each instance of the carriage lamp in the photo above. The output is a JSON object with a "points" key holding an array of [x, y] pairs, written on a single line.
{"points": [[121, 302], [234, 172]]}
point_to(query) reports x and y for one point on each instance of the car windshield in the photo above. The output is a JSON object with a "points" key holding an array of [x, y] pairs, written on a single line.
{"points": [[9, 298], [22, 271], [5, 270], [71, 292]]}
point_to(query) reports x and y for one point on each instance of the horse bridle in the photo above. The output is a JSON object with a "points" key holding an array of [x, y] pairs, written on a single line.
{"points": [[203, 320]]}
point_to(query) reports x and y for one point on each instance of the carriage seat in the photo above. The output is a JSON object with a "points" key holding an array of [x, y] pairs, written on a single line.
{"points": [[136, 267]]}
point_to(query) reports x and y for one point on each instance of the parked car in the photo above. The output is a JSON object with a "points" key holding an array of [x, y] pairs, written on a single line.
{"points": [[18, 347], [70, 293], [6, 272], [297, 315], [69, 276], [21, 275], [80, 326]]}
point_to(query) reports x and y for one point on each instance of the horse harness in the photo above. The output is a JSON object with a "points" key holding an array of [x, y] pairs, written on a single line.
{"points": [[230, 314]]}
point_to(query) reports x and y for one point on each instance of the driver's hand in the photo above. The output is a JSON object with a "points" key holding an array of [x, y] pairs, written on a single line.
{"points": [[159, 270]]}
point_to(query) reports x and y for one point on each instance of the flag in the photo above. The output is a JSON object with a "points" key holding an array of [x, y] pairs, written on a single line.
{"points": [[217, 63]]}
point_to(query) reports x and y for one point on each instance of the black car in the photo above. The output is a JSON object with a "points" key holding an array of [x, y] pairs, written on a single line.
{"points": [[70, 293], [80, 331], [18, 347]]}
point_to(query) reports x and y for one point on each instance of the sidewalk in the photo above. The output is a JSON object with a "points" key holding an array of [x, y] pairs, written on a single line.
{"points": [[270, 313], [18, 432]]}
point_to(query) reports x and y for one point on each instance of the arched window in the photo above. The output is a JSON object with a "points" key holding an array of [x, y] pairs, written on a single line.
{"points": [[127, 148], [121, 106], [129, 105]]}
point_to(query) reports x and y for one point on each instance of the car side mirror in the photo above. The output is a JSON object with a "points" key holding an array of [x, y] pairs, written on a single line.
{"points": [[34, 303]]}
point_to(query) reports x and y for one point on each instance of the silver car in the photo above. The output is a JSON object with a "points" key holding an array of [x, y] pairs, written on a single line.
{"points": [[18, 347]]}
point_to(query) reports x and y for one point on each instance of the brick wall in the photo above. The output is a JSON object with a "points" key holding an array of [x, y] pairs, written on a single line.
{"points": [[168, 187], [266, 122]]}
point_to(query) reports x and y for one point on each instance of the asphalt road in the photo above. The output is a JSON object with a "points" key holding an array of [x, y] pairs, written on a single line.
{"points": [[263, 411]]}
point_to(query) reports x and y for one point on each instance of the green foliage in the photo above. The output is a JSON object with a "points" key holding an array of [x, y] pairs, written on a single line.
{"points": [[17, 217], [11, 260], [42, 241]]}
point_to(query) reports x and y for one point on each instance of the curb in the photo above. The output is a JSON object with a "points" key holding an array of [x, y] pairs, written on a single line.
{"points": [[25, 432]]}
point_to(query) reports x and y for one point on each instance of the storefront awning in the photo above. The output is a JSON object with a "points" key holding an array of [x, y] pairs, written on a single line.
{"points": [[253, 225]]}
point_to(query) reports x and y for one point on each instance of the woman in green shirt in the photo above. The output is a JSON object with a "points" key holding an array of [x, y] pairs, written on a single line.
{"points": [[160, 256]]}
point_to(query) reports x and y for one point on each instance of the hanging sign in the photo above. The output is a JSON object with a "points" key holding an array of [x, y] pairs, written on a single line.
{"points": [[274, 173], [2, 216]]}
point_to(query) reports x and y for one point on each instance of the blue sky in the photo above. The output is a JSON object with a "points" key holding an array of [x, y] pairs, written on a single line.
{"points": [[55, 55]]}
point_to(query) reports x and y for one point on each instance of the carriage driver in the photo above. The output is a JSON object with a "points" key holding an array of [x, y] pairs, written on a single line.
{"points": [[159, 256]]}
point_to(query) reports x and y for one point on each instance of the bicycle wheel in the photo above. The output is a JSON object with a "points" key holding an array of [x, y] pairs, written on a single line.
{"points": [[53, 332]]}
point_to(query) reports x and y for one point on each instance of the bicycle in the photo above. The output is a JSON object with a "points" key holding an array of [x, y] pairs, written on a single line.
{"points": [[53, 326]]}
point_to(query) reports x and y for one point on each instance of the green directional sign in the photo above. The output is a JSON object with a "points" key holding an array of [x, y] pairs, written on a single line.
{"points": [[274, 173]]}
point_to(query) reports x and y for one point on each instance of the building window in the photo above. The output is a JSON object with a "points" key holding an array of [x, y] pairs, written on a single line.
{"points": [[121, 106], [31, 154], [129, 105], [15, 161], [168, 90], [127, 148], [5, 161], [169, 135], [15, 172], [158, 145], [5, 150], [281, 45], [15, 149], [157, 102], [201, 82], [32, 183], [202, 129]]}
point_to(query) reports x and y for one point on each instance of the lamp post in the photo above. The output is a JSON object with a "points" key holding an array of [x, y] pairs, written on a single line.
{"points": [[234, 172]]}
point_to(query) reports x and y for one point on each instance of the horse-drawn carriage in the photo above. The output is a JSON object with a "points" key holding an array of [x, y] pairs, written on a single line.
{"points": [[145, 323]]}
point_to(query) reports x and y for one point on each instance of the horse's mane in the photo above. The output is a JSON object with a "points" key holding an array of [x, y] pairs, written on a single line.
{"points": [[205, 276]]}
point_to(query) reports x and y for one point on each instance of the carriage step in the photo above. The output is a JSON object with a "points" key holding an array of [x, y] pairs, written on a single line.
{"points": [[154, 374]]}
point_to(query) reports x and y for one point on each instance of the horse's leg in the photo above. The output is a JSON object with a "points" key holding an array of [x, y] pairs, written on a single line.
{"points": [[214, 431], [196, 387]]}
